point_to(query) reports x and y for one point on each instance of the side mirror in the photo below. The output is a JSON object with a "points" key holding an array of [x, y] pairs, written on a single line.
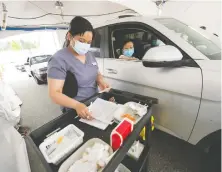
{"points": [[163, 56]]}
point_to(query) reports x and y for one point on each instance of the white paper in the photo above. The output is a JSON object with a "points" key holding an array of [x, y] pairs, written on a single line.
{"points": [[95, 123], [103, 110]]}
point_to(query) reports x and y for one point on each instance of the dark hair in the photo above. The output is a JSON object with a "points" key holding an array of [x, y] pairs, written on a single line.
{"points": [[78, 26], [127, 41]]}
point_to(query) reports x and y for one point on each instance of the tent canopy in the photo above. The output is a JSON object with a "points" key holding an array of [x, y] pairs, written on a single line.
{"points": [[45, 13], [39, 15]]}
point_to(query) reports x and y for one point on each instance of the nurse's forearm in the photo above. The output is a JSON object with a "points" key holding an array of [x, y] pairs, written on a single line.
{"points": [[55, 87], [63, 100]]}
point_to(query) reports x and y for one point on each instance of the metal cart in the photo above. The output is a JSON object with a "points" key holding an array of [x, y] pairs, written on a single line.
{"points": [[38, 163]]}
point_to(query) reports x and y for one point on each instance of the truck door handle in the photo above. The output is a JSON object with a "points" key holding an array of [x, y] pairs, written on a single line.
{"points": [[111, 71]]}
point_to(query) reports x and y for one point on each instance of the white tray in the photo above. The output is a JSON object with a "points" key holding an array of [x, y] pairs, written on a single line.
{"points": [[78, 154], [141, 109], [133, 154], [65, 147], [121, 110]]}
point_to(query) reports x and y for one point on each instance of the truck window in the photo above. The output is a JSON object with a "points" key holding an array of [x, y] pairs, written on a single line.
{"points": [[143, 40]]}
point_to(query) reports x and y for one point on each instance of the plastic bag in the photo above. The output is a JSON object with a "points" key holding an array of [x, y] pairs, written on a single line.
{"points": [[9, 104], [14, 157]]}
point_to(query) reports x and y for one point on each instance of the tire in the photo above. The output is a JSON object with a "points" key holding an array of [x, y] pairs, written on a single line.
{"points": [[213, 159], [37, 80]]}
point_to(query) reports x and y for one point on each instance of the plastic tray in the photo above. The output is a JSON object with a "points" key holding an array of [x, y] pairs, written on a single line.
{"points": [[122, 168], [132, 154], [139, 108], [122, 109], [66, 147], [78, 154]]}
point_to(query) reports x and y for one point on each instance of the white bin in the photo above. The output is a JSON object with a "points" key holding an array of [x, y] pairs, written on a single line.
{"points": [[123, 109], [78, 154], [72, 138], [122, 168]]}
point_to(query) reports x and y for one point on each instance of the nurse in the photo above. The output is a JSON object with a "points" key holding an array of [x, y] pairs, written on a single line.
{"points": [[75, 59]]}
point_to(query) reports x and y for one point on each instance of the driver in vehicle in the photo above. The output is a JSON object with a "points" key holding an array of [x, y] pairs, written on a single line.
{"points": [[128, 51]]}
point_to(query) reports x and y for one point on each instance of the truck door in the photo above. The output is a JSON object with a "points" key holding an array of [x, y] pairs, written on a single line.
{"points": [[177, 89]]}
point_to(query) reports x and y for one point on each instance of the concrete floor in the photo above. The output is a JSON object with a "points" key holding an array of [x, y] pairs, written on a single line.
{"points": [[168, 154]]}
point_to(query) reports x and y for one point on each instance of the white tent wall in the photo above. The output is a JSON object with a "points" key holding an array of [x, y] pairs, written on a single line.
{"points": [[49, 44], [28, 9], [196, 13], [5, 34], [61, 36], [143, 7]]}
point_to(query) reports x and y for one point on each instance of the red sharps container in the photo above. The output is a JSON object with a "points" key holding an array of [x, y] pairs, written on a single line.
{"points": [[120, 133]]}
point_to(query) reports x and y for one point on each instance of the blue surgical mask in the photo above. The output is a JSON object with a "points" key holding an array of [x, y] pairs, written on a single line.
{"points": [[128, 52], [81, 48]]}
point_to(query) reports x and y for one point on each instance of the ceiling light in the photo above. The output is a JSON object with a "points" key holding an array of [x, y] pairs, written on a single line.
{"points": [[59, 5], [159, 2]]}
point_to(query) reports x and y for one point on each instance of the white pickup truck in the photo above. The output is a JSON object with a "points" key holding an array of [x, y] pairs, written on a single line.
{"points": [[36, 67], [179, 65]]}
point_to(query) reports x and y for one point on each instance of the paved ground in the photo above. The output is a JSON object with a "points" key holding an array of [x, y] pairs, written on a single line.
{"points": [[168, 154]]}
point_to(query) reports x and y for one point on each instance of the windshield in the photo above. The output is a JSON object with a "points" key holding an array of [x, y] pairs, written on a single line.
{"points": [[40, 59], [197, 40]]}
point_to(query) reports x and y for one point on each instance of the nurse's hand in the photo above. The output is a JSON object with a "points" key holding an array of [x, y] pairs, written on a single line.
{"points": [[83, 111], [103, 85]]}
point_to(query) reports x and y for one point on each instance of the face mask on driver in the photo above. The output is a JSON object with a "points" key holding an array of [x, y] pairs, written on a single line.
{"points": [[128, 52], [81, 48]]}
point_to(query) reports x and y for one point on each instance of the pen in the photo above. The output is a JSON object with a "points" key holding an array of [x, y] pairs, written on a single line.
{"points": [[90, 106]]}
